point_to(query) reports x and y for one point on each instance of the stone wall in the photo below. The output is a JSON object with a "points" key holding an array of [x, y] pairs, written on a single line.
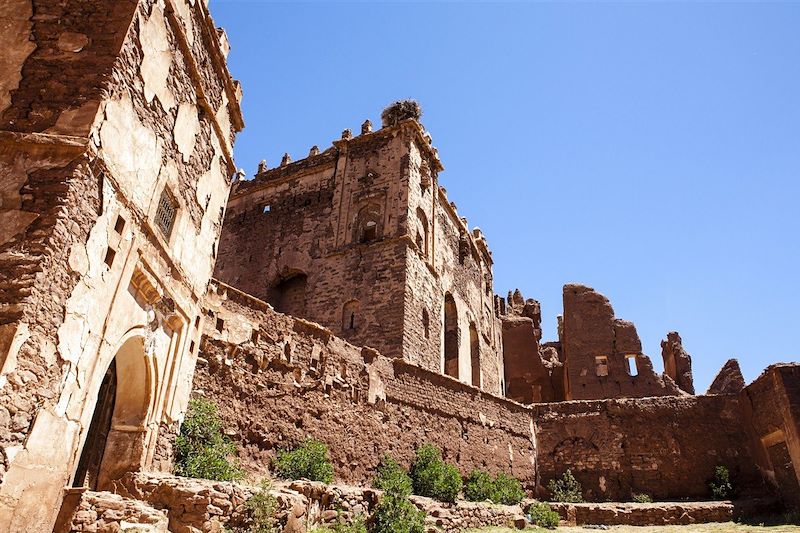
{"points": [[283, 379], [649, 514], [360, 238], [666, 447], [90, 511], [103, 107]]}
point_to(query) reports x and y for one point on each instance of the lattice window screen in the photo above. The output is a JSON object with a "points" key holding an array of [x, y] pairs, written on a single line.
{"points": [[165, 216]]}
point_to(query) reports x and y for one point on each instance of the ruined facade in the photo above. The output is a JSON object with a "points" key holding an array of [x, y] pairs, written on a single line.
{"points": [[596, 356], [362, 239], [116, 125]]}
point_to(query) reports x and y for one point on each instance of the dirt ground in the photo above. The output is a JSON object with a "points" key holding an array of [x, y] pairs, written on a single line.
{"points": [[698, 528]]}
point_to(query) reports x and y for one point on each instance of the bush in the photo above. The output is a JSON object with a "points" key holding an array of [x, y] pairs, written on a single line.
{"points": [[642, 498], [260, 510], [434, 478], [396, 514], [309, 460], [392, 477], [565, 489], [479, 486], [541, 515], [201, 449], [507, 490], [721, 486]]}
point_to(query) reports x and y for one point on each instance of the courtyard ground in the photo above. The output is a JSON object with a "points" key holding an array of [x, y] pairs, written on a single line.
{"points": [[696, 528]]}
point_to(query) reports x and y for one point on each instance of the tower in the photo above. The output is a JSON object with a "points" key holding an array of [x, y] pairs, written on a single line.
{"points": [[361, 238]]}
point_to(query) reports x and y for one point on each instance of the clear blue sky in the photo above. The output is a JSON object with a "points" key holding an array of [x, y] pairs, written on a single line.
{"points": [[650, 150]]}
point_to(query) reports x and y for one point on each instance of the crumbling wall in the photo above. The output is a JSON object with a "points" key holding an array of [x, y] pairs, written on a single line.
{"points": [[283, 379], [533, 373], [770, 407], [666, 447], [677, 362], [602, 354], [729, 379]]}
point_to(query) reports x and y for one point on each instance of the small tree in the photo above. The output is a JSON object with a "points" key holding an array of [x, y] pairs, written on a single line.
{"points": [[721, 485], [434, 478], [642, 498], [201, 449], [309, 460], [565, 489]]}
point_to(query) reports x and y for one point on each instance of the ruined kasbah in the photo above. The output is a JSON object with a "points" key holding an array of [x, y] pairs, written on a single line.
{"points": [[363, 316]]}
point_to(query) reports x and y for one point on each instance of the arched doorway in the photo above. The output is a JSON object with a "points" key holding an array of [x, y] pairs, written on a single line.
{"points": [[94, 447], [115, 440], [451, 336]]}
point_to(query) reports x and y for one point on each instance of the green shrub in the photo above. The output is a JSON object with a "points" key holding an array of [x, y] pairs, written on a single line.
{"points": [[392, 477], [479, 486], [541, 515], [565, 489], [396, 514], [434, 478], [642, 498], [309, 460], [721, 485], [507, 490], [201, 449], [260, 509]]}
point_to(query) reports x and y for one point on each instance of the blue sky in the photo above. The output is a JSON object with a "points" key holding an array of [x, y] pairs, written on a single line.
{"points": [[648, 149]]}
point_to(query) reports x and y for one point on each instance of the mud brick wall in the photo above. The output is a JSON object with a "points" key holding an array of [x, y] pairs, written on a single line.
{"points": [[666, 447], [596, 348], [770, 405], [277, 380]]}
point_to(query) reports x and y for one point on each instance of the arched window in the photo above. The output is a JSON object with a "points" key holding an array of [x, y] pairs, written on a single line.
{"points": [[426, 324], [422, 232], [368, 224], [350, 315], [474, 351], [451, 336]]}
